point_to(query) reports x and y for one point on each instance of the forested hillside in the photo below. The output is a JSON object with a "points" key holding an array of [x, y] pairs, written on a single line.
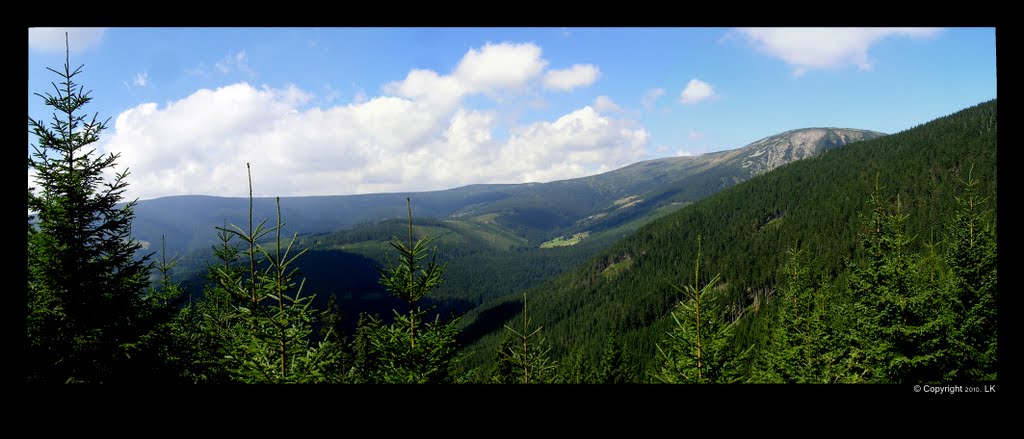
{"points": [[818, 207]]}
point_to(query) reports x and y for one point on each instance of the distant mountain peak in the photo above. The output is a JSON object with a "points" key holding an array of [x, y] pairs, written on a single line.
{"points": [[774, 151]]}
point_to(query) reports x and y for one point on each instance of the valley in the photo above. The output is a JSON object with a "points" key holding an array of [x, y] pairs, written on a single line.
{"points": [[497, 240]]}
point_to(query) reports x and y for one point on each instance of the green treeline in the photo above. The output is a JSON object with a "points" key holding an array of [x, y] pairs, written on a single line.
{"points": [[873, 263]]}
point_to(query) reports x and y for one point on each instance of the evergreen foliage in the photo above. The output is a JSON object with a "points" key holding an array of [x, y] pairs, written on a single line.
{"points": [[413, 348], [88, 310], [898, 324], [524, 356], [971, 257], [254, 321], [576, 368], [503, 369], [698, 350], [167, 349], [798, 341], [615, 365]]}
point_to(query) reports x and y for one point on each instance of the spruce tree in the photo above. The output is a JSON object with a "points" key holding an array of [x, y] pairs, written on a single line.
{"points": [[402, 279], [168, 350], [261, 323], [413, 348], [525, 358], [900, 327], [576, 369], [503, 370], [698, 349], [614, 367], [363, 368], [798, 344], [210, 321], [87, 304], [971, 257]]}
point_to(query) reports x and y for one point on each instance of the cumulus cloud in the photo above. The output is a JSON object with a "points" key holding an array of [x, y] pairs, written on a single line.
{"points": [[696, 91], [198, 145], [504, 65], [579, 75], [651, 97], [820, 48], [51, 39], [605, 104], [418, 135], [428, 86], [574, 145]]}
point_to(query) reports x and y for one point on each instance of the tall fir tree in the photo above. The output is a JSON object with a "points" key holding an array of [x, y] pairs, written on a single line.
{"points": [[524, 357], [503, 370], [413, 348], [168, 349], [614, 367], [971, 257], [900, 327], [699, 348], [87, 307], [576, 368], [798, 339], [260, 323]]}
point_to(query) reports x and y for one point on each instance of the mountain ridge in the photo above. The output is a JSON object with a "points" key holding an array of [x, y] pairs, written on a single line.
{"points": [[537, 212]]}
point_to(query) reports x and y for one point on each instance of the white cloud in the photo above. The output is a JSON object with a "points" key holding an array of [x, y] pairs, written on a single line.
{"points": [[417, 136], [574, 145], [199, 145], [651, 97], [425, 85], [605, 104], [579, 75], [696, 91], [694, 135], [141, 79], [504, 65], [51, 39], [684, 153], [239, 61], [819, 48]]}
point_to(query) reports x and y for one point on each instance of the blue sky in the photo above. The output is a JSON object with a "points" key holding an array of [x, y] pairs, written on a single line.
{"points": [[324, 111]]}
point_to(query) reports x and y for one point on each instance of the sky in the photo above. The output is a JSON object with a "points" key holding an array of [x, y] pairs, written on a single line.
{"points": [[335, 111]]}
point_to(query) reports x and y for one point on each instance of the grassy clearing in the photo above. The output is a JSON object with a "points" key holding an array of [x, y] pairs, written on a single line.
{"points": [[562, 242], [617, 268]]}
